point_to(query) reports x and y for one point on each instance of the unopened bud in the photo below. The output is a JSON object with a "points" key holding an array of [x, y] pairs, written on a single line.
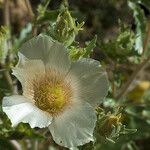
{"points": [[66, 28]]}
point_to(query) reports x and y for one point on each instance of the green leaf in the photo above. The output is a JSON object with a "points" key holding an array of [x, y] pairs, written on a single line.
{"points": [[140, 21], [77, 52], [25, 34], [122, 47], [146, 3], [91, 45], [131, 146], [42, 11], [48, 16]]}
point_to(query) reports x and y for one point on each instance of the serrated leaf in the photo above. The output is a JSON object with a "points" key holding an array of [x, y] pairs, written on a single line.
{"points": [[78, 52]]}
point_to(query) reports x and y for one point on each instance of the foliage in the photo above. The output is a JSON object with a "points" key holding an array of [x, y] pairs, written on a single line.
{"points": [[122, 46], [4, 36], [140, 21], [123, 119]]}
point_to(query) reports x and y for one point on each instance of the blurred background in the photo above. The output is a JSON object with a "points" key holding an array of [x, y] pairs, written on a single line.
{"points": [[122, 32]]}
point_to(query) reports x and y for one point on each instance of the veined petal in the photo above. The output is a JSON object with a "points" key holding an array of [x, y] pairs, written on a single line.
{"points": [[52, 53], [14, 100], [19, 109], [89, 81], [22, 60], [75, 126], [37, 48], [58, 58], [26, 71]]}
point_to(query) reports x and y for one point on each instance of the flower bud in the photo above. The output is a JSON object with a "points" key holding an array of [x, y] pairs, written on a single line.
{"points": [[66, 28], [108, 124]]}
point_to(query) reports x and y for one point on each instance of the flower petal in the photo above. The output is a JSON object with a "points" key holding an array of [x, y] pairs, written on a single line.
{"points": [[75, 126], [26, 71], [19, 109], [58, 58], [89, 81], [37, 48], [51, 52]]}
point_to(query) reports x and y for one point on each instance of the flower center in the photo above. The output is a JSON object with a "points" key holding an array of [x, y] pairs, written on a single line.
{"points": [[51, 95]]}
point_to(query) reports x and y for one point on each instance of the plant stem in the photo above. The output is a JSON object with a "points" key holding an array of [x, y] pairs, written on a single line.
{"points": [[15, 144], [35, 145], [2, 70], [7, 77], [28, 5], [139, 67], [6, 18], [30, 10], [133, 76], [6, 14]]}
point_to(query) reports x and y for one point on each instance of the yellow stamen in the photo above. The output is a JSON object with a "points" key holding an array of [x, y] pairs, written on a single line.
{"points": [[51, 94]]}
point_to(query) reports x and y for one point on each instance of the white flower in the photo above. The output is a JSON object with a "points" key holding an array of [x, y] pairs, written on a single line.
{"points": [[57, 94]]}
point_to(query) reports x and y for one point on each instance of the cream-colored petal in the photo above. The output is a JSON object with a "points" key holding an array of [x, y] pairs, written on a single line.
{"points": [[58, 59], [22, 60], [75, 126], [89, 81], [52, 53], [26, 71], [37, 48], [14, 100], [19, 109]]}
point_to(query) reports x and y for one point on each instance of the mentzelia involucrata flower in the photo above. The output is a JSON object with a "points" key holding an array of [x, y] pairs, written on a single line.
{"points": [[57, 94]]}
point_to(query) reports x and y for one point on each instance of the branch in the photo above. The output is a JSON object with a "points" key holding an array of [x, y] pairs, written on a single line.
{"points": [[133, 76], [15, 144], [28, 5], [6, 14], [6, 18]]}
